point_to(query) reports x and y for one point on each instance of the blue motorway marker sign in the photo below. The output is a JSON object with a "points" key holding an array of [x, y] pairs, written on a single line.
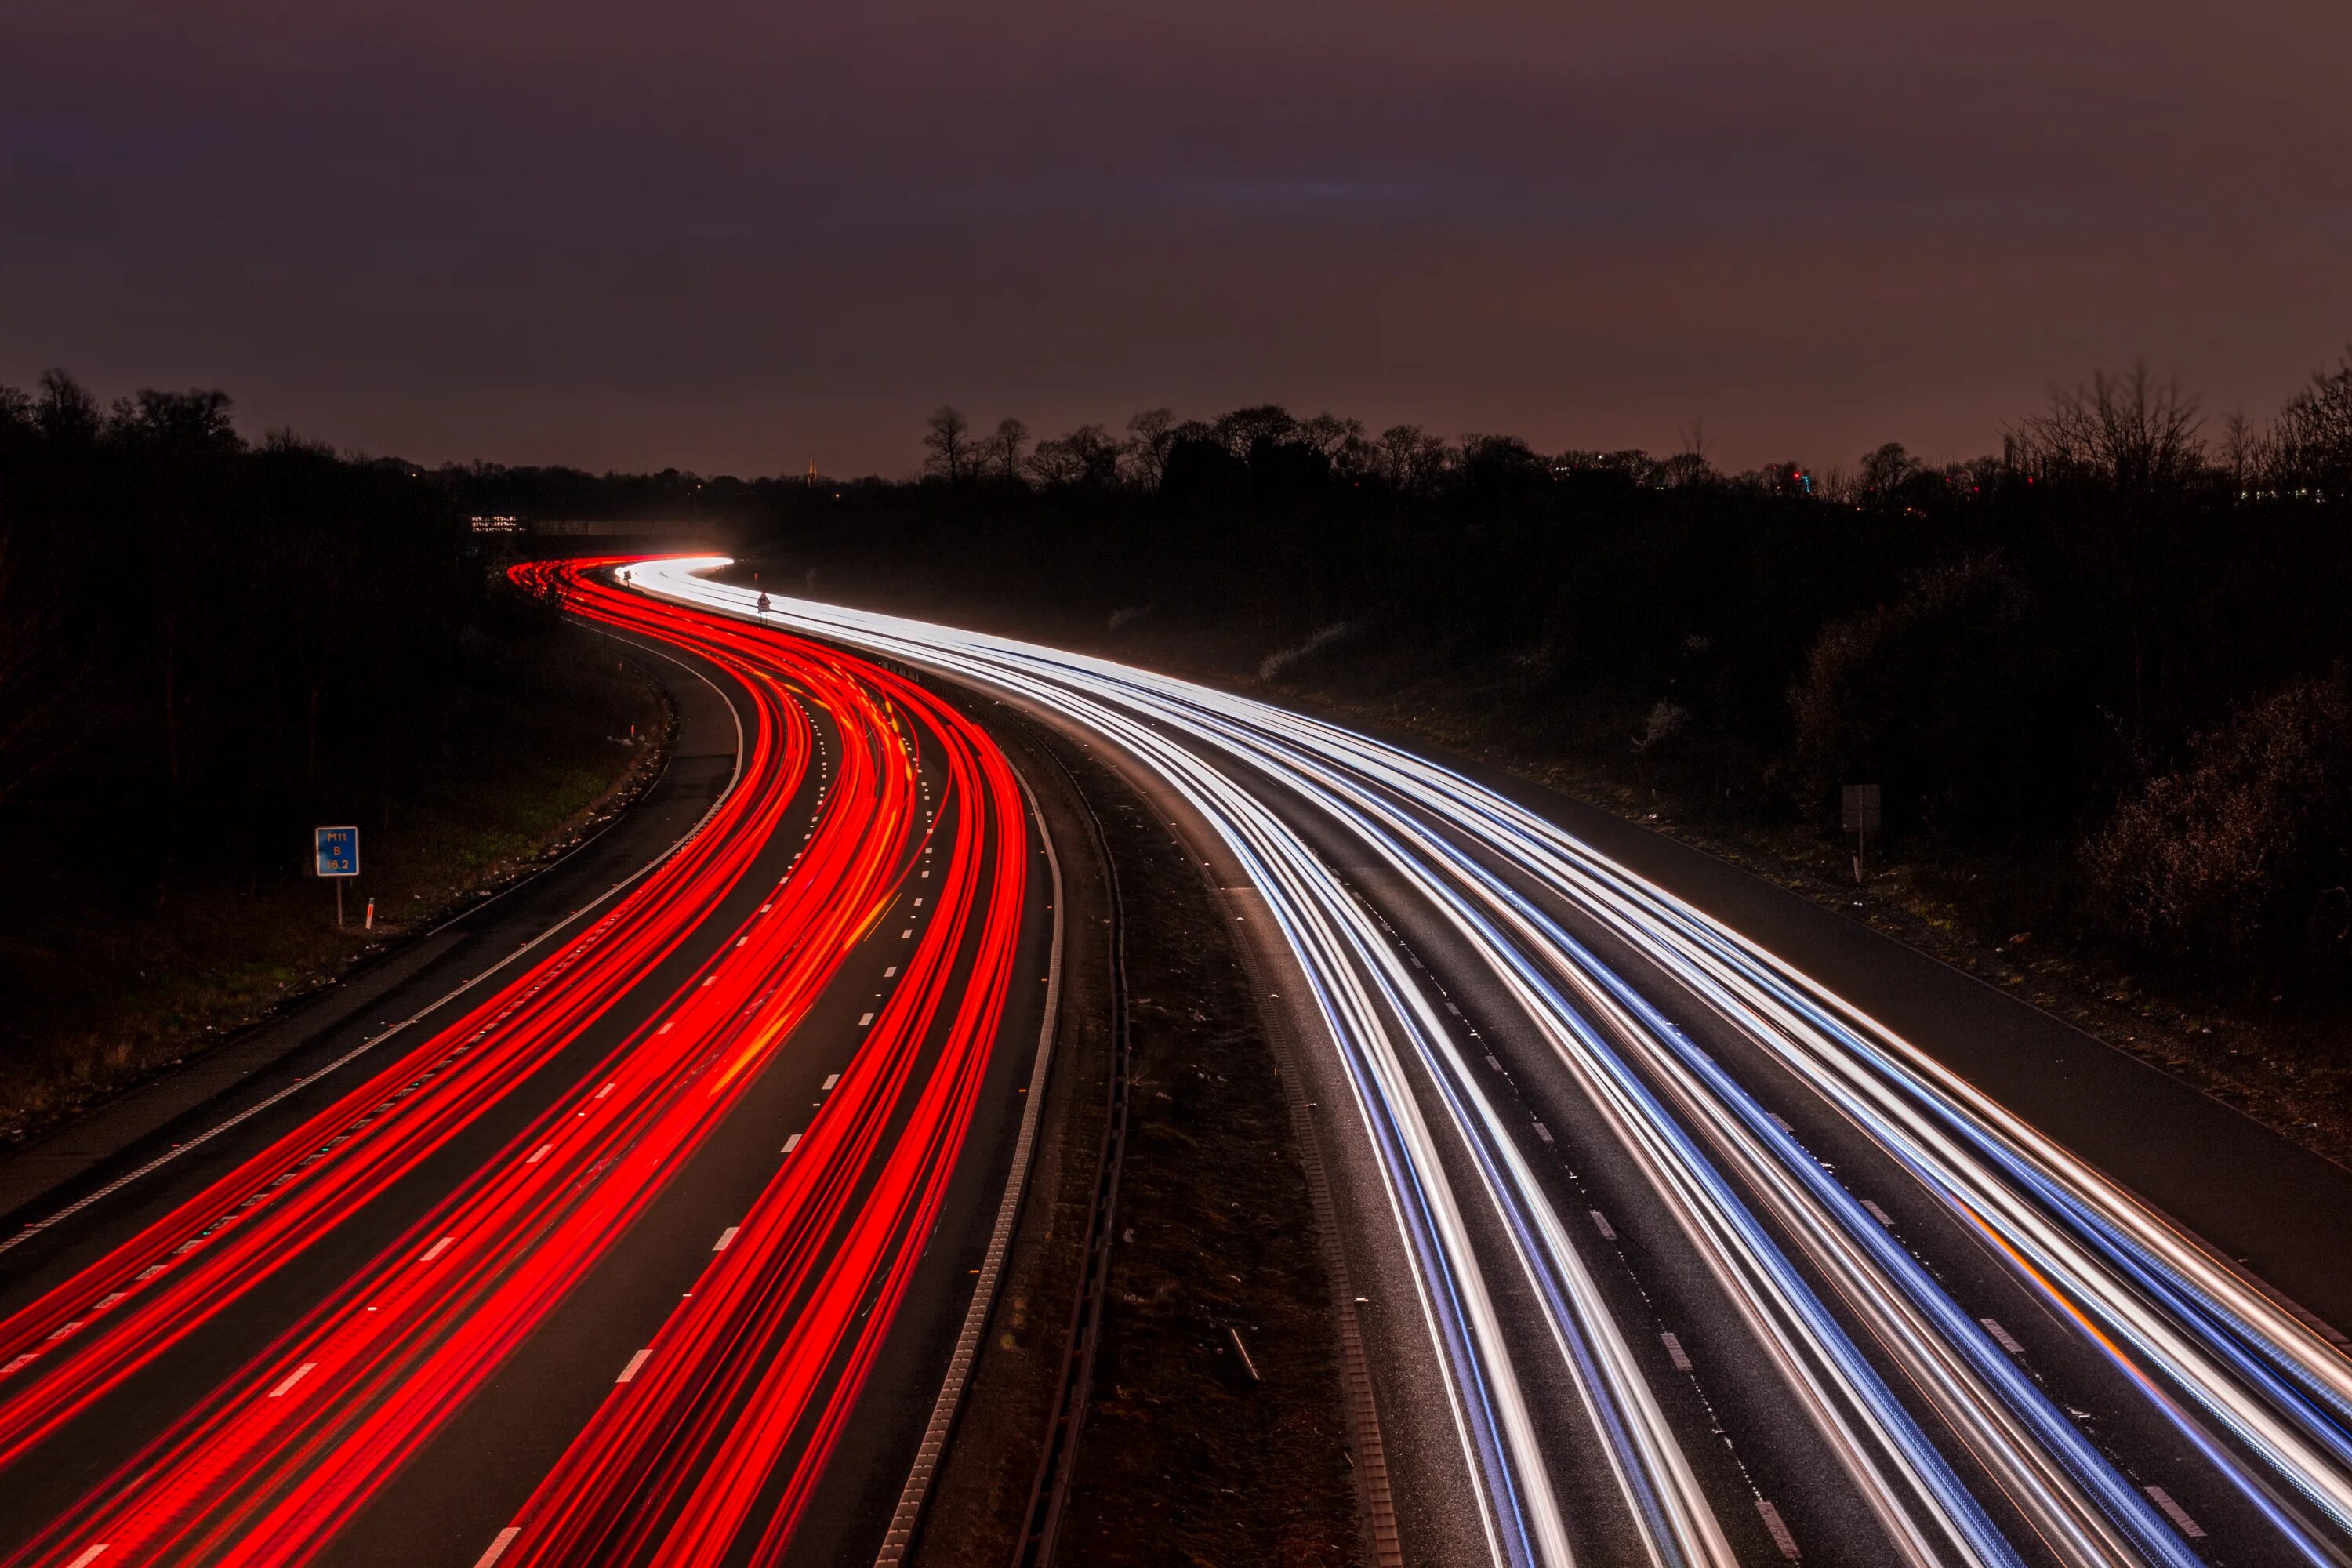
{"points": [[339, 851]]}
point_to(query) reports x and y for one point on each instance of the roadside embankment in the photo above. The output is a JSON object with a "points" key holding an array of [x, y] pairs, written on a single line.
{"points": [[105, 991]]}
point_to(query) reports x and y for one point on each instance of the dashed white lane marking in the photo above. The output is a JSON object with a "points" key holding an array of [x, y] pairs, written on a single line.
{"points": [[666, 1028], [907, 932], [1779, 1529], [1878, 1214], [605, 1091], [438, 1248], [889, 972], [1543, 1133], [544, 1151], [190, 1144], [1675, 1353], [2178, 1514], [725, 1236], [89, 1557], [291, 1378], [830, 1080], [636, 1362], [791, 1143], [865, 1020], [708, 978], [1601, 1223], [499, 1547], [2001, 1337]]}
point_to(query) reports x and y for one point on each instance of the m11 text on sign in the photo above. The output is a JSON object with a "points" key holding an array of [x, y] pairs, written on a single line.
{"points": [[339, 851]]}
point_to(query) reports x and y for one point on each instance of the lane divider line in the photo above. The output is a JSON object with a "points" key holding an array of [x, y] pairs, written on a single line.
{"points": [[904, 1519], [250, 1111]]}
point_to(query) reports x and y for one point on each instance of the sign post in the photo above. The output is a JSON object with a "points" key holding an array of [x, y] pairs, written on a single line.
{"points": [[1860, 814], [338, 850]]}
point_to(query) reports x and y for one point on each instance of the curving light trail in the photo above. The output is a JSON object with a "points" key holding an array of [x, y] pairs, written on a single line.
{"points": [[914, 816], [1958, 1453]]}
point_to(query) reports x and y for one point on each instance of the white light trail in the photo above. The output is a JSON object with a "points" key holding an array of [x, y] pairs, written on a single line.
{"points": [[2255, 1392]]}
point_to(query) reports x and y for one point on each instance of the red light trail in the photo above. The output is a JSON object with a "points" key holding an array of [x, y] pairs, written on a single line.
{"points": [[713, 1440]]}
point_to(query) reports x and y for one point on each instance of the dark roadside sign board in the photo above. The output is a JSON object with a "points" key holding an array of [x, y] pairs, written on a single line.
{"points": [[338, 852]]}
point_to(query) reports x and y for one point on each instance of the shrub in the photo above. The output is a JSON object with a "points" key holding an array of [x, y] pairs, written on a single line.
{"points": [[2237, 863], [1940, 697]]}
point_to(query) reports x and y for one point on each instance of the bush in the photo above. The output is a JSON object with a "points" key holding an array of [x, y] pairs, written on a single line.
{"points": [[1939, 697], [2237, 864]]}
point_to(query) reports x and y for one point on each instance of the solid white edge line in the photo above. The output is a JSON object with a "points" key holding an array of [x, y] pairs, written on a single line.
{"points": [[909, 1512], [250, 1111]]}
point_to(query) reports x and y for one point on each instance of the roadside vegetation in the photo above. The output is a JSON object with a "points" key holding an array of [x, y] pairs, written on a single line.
{"points": [[208, 647], [2100, 675]]}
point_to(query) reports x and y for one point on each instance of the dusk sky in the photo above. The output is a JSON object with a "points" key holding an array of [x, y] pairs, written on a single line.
{"points": [[734, 236]]}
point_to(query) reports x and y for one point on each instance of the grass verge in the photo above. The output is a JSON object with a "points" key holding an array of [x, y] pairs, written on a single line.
{"points": [[107, 996], [1188, 1456]]}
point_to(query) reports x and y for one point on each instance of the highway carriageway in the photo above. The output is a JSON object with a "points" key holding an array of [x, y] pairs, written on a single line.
{"points": [[1671, 1253]]}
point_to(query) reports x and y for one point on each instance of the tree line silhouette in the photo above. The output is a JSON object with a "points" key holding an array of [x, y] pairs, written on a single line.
{"points": [[206, 643], [2104, 668], [2107, 663]]}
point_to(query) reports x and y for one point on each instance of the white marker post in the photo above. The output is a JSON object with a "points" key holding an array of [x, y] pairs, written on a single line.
{"points": [[1858, 810]]}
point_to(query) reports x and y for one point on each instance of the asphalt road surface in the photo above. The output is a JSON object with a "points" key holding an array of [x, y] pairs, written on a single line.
{"points": [[632, 1218], [1693, 1226]]}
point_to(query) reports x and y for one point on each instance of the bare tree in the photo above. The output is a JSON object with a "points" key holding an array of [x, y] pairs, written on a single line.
{"points": [[946, 436], [1154, 433], [1087, 455], [1686, 469], [1340, 442], [2249, 452], [197, 415], [1329, 435], [1409, 459], [1001, 454], [1885, 471], [2315, 434], [2126, 430], [1245, 428], [65, 412]]}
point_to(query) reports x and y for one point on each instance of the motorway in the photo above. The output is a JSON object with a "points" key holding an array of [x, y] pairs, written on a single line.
{"points": [[633, 1219], [1668, 1253]]}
